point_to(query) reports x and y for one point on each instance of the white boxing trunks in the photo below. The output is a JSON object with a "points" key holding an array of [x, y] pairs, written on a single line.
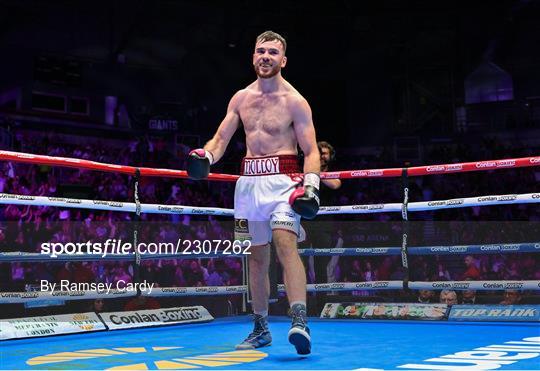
{"points": [[261, 198]]}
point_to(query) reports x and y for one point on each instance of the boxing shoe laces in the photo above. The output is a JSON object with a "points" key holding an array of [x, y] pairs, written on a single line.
{"points": [[260, 337], [299, 334]]}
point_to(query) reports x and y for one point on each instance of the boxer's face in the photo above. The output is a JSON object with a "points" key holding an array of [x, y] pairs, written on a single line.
{"points": [[268, 59]]}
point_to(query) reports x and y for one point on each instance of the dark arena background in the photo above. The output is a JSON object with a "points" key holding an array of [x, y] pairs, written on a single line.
{"points": [[425, 258]]}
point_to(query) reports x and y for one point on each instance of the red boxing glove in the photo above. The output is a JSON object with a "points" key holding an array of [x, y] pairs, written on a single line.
{"points": [[305, 199]]}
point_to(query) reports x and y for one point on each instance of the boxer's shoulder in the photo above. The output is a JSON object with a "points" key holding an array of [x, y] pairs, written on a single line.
{"points": [[240, 95], [294, 98], [238, 99], [298, 106]]}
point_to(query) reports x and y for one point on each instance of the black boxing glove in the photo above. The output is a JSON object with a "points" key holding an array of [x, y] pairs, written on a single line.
{"points": [[198, 163], [305, 199]]}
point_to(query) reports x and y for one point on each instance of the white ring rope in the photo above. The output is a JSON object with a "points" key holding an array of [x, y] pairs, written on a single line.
{"points": [[434, 205], [23, 297], [32, 296], [475, 285], [130, 207], [11, 199]]}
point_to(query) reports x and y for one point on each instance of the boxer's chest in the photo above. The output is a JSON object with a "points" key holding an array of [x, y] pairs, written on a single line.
{"points": [[268, 113]]}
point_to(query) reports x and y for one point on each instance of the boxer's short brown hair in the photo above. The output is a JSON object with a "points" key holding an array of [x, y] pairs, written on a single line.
{"points": [[271, 36]]}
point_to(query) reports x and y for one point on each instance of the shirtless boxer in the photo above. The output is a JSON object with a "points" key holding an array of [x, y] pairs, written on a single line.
{"points": [[268, 202]]}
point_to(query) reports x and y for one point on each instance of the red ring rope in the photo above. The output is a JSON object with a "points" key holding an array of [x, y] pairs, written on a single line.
{"points": [[346, 174]]}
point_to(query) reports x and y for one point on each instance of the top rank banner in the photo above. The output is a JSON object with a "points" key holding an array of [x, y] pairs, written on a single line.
{"points": [[416, 311], [507, 313]]}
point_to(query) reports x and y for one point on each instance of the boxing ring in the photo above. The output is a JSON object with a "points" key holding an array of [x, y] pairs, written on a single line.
{"points": [[337, 344], [340, 344]]}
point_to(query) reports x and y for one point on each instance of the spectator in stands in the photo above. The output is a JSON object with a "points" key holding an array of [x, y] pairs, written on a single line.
{"points": [[194, 275], [3, 181], [148, 271], [511, 297], [167, 273], [65, 273], [468, 297], [385, 269], [3, 243], [234, 271], [216, 274], [122, 275], [326, 235], [17, 274], [472, 272], [424, 269], [355, 273], [98, 306], [426, 296], [513, 270], [106, 275], [370, 274], [442, 273], [20, 242], [448, 297], [179, 280], [82, 273], [42, 273], [142, 302]]}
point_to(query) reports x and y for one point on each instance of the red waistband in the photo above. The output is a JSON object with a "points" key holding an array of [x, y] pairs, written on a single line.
{"points": [[270, 165]]}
